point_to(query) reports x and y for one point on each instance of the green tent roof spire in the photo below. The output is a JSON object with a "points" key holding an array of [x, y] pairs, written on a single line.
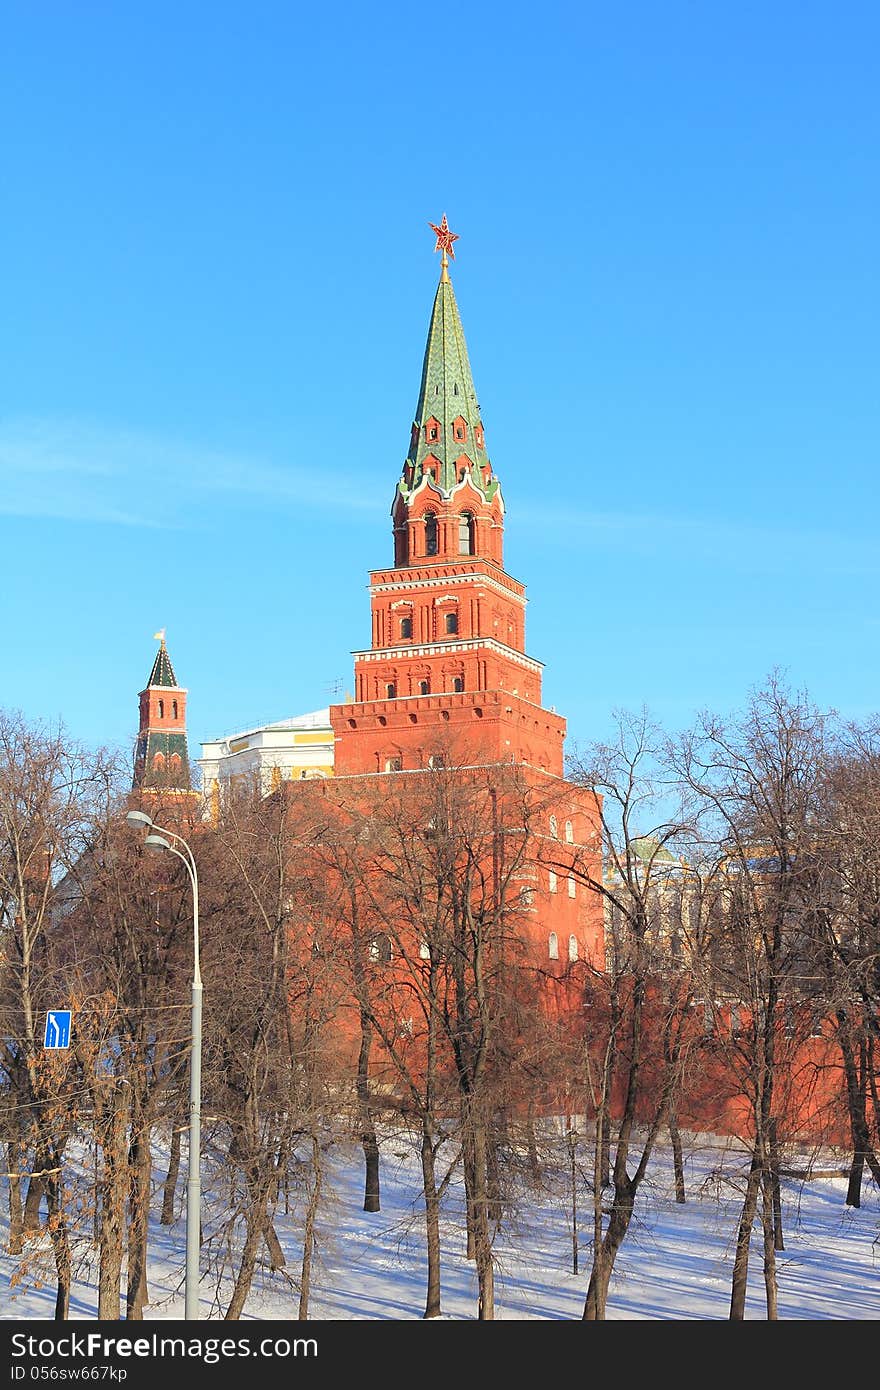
{"points": [[447, 426], [163, 672]]}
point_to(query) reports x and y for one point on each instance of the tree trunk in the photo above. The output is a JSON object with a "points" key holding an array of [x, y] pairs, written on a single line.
{"points": [[246, 1267], [479, 1146], [532, 1147], [677, 1161], [432, 1224], [493, 1180], [16, 1206], [36, 1191], [170, 1187], [140, 1172], [743, 1240], [470, 1243], [308, 1249], [604, 1123], [372, 1201], [856, 1074], [603, 1262], [368, 1129], [768, 1224], [856, 1174], [775, 1189], [112, 1212], [273, 1247], [572, 1151], [60, 1246]]}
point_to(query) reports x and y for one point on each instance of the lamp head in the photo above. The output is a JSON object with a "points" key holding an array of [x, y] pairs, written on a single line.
{"points": [[138, 818], [156, 842]]}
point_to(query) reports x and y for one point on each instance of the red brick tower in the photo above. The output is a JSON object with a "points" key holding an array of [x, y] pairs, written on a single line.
{"points": [[447, 678], [448, 666], [161, 760]]}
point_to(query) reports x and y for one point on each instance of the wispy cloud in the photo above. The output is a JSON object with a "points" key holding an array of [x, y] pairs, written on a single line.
{"points": [[84, 472]]}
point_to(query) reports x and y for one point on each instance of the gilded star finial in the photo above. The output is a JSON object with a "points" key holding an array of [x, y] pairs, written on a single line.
{"points": [[445, 238]]}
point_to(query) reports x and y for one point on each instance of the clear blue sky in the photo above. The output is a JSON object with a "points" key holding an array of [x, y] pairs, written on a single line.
{"points": [[217, 278]]}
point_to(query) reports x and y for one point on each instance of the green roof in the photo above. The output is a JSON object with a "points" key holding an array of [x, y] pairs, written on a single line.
{"points": [[447, 394], [162, 673], [648, 846]]}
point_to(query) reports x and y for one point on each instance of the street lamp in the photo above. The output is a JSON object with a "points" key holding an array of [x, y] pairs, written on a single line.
{"points": [[157, 841]]}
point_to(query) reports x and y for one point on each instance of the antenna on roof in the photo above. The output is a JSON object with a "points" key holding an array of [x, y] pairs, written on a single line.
{"points": [[333, 687]]}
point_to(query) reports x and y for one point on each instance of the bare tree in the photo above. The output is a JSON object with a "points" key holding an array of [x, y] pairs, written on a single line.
{"points": [[638, 1004], [50, 792], [846, 933], [757, 779], [129, 939], [268, 1017], [429, 869]]}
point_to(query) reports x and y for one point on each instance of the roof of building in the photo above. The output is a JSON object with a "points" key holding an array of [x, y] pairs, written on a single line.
{"points": [[315, 719], [649, 847]]}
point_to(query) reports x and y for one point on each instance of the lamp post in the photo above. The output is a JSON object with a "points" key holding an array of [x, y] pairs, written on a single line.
{"points": [[159, 841]]}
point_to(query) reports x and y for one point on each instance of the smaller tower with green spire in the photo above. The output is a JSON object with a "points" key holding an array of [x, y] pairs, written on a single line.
{"points": [[161, 759]]}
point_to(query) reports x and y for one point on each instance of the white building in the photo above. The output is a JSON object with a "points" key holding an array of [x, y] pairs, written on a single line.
{"points": [[290, 750]]}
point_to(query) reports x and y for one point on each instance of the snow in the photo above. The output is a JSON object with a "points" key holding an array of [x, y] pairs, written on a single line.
{"points": [[675, 1264]]}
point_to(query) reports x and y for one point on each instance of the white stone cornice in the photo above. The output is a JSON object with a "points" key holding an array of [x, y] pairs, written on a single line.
{"points": [[473, 577], [450, 648]]}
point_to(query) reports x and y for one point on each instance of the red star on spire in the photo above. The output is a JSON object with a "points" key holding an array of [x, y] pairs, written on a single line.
{"points": [[445, 238]]}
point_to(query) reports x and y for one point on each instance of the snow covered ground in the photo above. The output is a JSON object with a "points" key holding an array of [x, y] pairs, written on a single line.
{"points": [[675, 1264]]}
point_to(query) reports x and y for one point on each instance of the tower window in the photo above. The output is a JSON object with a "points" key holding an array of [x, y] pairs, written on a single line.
{"points": [[424, 687], [551, 880], [458, 684], [393, 764], [572, 888], [569, 832], [161, 709], [554, 831], [406, 627], [174, 762], [466, 533], [553, 946], [451, 622], [159, 762], [391, 691], [174, 709], [572, 948], [430, 534], [436, 760]]}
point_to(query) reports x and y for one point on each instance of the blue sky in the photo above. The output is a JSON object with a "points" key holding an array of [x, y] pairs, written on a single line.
{"points": [[218, 274]]}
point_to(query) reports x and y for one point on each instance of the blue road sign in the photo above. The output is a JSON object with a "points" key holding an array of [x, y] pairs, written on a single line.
{"points": [[57, 1028]]}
